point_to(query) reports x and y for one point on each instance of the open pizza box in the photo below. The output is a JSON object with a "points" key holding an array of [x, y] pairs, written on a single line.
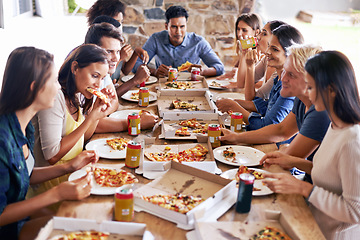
{"points": [[172, 119], [240, 230], [152, 169], [200, 97], [220, 194], [200, 83], [184, 76], [117, 230]]}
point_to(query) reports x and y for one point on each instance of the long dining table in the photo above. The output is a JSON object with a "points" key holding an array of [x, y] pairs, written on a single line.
{"points": [[100, 207]]}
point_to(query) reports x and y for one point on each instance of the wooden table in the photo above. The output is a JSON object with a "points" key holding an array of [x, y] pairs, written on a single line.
{"points": [[101, 207]]}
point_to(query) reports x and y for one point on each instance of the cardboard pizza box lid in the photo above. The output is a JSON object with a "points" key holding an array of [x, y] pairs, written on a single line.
{"points": [[220, 194], [60, 225]]}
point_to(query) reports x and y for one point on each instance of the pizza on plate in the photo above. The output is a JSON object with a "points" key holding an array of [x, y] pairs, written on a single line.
{"points": [[184, 66], [229, 154], [179, 85], [82, 235], [178, 104], [215, 84], [183, 131], [177, 202], [99, 94], [243, 169], [106, 177], [194, 154], [134, 95], [118, 143], [270, 233]]}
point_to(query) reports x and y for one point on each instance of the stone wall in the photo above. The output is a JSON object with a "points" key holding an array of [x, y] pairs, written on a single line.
{"points": [[214, 20]]}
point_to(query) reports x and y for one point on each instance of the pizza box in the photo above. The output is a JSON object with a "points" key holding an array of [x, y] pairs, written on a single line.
{"points": [[146, 165], [184, 76], [171, 120], [118, 230], [240, 230], [200, 97], [220, 194], [196, 85]]}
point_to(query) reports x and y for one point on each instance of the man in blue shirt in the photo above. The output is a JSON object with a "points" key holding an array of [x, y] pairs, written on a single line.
{"points": [[174, 46]]}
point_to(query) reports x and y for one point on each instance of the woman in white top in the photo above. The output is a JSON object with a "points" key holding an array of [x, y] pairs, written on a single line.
{"points": [[334, 196]]}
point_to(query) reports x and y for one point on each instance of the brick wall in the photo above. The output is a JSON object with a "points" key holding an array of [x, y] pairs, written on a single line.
{"points": [[213, 20]]}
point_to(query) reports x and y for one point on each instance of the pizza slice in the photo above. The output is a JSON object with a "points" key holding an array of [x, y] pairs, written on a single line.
{"points": [[270, 233], [177, 202], [161, 157], [82, 235], [179, 85], [135, 95], [99, 94], [184, 131], [243, 169], [229, 154], [178, 104], [106, 177], [184, 66], [118, 143], [195, 154]]}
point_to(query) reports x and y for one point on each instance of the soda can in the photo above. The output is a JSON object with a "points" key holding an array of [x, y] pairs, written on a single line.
{"points": [[134, 124], [249, 43], [214, 133], [236, 122], [133, 150], [144, 95], [195, 72], [172, 74], [243, 202], [124, 204]]}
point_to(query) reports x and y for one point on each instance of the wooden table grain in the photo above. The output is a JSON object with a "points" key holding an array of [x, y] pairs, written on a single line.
{"points": [[101, 208]]}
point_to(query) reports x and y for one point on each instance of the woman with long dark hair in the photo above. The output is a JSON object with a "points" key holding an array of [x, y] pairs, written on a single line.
{"points": [[30, 85], [335, 199]]}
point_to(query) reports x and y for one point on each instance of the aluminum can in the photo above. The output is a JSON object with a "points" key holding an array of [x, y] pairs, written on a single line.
{"points": [[236, 122], [172, 74], [249, 43], [144, 96], [133, 151], [214, 133], [243, 202], [195, 72], [124, 205], [134, 124]]}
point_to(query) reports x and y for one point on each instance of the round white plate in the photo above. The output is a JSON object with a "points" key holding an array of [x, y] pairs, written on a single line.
{"points": [[127, 96], [246, 156], [264, 190], [104, 150], [221, 82], [95, 189], [151, 79], [123, 114], [230, 95]]}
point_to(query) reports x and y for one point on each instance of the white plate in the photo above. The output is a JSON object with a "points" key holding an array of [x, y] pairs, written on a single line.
{"points": [[221, 82], [123, 114], [264, 190], [230, 95], [104, 150], [95, 189], [127, 96], [151, 79], [246, 156]]}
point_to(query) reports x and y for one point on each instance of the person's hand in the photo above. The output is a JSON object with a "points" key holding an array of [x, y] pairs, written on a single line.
{"points": [[74, 190], [142, 54], [111, 94], [286, 183], [141, 75], [225, 105], [228, 136], [83, 159], [162, 71], [125, 52], [228, 75], [99, 109], [148, 120], [251, 57], [231, 85], [278, 158]]}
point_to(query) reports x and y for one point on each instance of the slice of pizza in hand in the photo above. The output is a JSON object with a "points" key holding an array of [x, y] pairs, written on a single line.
{"points": [[99, 94], [184, 66]]}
